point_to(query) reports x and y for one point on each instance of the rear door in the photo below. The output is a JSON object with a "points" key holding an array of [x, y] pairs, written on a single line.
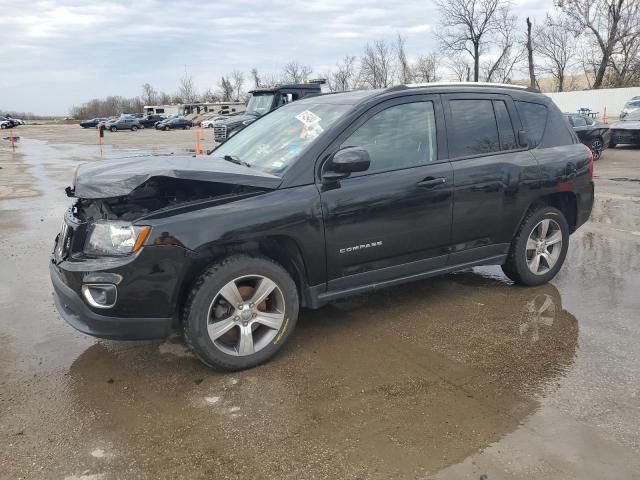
{"points": [[494, 176], [394, 219]]}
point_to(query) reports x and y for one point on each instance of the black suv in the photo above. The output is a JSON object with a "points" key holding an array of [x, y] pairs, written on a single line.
{"points": [[263, 101], [326, 197]]}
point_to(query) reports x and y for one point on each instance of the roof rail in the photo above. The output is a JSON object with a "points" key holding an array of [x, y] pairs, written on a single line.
{"points": [[467, 84]]}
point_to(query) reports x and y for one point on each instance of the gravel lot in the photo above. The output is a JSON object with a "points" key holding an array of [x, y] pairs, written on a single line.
{"points": [[450, 378]]}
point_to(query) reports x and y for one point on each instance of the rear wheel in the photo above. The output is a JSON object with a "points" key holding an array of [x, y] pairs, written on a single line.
{"points": [[134, 128], [240, 312], [596, 146], [167, 128], [114, 129], [539, 248]]}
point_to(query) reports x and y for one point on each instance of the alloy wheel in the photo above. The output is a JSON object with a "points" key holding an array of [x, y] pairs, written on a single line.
{"points": [[246, 315], [543, 246]]}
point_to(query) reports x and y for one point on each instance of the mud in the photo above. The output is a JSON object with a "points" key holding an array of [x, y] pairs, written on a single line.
{"points": [[455, 377]]}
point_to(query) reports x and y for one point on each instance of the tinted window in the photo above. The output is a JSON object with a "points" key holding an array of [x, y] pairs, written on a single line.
{"points": [[398, 137], [578, 121], [474, 129], [505, 126], [534, 119]]}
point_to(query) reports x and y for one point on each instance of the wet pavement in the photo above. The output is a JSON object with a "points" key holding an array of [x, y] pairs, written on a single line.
{"points": [[451, 378]]}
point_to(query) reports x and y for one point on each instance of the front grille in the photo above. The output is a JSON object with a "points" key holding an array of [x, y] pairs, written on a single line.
{"points": [[220, 133]]}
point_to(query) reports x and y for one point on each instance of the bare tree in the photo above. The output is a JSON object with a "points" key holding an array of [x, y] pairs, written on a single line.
{"points": [[556, 44], [468, 25], [405, 73], [164, 98], [529, 45], [256, 78], [295, 72], [508, 49], [425, 68], [149, 95], [237, 79], [343, 78], [187, 89], [625, 64], [376, 65], [608, 22], [460, 68], [226, 89]]}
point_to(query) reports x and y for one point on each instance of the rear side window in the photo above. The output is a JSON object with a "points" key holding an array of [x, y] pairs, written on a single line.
{"points": [[534, 119], [474, 130], [505, 126]]}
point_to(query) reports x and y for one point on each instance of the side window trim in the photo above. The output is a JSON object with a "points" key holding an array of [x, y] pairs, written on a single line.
{"points": [[364, 116], [514, 130]]}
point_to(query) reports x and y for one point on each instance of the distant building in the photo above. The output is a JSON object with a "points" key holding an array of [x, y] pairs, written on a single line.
{"points": [[200, 108]]}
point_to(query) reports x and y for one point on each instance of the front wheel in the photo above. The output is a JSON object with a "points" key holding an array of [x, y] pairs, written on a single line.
{"points": [[134, 128], [114, 129], [539, 248], [166, 129], [240, 312]]}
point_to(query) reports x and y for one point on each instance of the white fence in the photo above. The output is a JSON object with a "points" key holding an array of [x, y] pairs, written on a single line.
{"points": [[613, 99]]}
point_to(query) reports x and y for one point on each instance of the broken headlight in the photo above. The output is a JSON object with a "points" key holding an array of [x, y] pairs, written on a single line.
{"points": [[110, 238]]}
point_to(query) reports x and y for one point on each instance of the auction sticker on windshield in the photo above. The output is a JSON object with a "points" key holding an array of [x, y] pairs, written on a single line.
{"points": [[308, 118]]}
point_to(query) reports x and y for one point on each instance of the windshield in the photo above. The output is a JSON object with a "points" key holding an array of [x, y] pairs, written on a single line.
{"points": [[260, 104], [633, 116], [275, 141]]}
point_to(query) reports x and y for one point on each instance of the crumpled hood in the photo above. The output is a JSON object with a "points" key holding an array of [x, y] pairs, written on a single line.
{"points": [[119, 177], [628, 125]]}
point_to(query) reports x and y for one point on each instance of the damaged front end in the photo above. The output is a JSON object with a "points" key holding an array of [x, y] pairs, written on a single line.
{"points": [[158, 194]]}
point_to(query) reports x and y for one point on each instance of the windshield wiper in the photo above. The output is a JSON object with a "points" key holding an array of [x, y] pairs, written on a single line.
{"points": [[236, 160]]}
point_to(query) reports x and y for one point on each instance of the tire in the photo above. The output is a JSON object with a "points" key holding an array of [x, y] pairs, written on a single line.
{"points": [[520, 263], [3, 127], [114, 129], [223, 349], [596, 146], [134, 128], [166, 129]]}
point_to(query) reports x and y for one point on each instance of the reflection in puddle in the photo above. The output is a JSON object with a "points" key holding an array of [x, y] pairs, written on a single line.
{"points": [[398, 383], [538, 312]]}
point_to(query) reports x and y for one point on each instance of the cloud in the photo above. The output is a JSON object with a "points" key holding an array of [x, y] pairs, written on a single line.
{"points": [[56, 53]]}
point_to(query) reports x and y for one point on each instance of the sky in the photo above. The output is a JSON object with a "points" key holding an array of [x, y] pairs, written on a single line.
{"points": [[57, 53]]}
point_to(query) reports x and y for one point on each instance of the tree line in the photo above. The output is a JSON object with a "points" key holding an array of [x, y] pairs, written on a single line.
{"points": [[479, 40]]}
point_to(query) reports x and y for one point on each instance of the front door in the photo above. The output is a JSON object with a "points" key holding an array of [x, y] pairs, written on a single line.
{"points": [[394, 219]]}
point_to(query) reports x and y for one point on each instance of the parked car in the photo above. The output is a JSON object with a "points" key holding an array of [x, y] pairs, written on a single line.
{"points": [[92, 123], [627, 130], [262, 101], [150, 120], [4, 124], [174, 124], [210, 123], [593, 133], [125, 122], [10, 122], [323, 198], [632, 105]]}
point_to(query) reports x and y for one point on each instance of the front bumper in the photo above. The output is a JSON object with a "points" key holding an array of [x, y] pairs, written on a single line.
{"points": [[76, 313]]}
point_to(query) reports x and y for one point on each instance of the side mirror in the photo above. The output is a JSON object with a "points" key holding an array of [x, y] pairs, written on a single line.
{"points": [[345, 162], [523, 138]]}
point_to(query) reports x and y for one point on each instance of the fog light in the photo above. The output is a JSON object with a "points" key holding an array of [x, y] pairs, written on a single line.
{"points": [[100, 295]]}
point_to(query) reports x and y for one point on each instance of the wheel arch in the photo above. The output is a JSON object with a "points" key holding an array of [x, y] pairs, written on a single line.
{"points": [[566, 202], [282, 249]]}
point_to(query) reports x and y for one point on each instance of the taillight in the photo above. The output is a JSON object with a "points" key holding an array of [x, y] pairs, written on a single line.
{"points": [[590, 163]]}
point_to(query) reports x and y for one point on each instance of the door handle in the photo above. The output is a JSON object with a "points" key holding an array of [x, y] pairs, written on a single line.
{"points": [[431, 182]]}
